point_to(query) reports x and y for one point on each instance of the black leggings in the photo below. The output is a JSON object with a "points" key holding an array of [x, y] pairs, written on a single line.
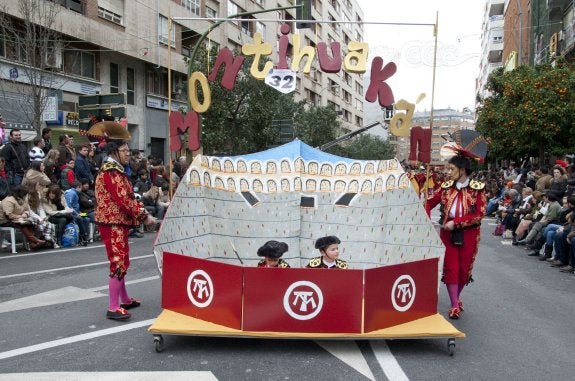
{"points": [[60, 222]]}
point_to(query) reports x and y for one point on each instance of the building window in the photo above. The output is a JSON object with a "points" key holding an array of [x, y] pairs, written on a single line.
{"points": [[114, 78], [157, 83], [192, 5], [261, 28], [233, 8], [247, 25], [211, 13], [80, 63], [111, 10], [131, 86], [347, 78], [163, 32], [261, 2], [2, 46]]}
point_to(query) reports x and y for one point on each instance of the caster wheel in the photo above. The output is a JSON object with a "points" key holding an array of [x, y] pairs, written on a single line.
{"points": [[451, 346], [159, 343]]}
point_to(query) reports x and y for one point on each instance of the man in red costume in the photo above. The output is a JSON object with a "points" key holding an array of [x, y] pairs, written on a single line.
{"points": [[462, 208], [117, 210]]}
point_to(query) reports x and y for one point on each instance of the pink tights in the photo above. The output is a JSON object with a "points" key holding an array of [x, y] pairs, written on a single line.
{"points": [[454, 290], [117, 293]]}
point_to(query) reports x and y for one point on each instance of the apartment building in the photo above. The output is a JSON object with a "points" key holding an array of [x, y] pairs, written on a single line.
{"points": [[121, 46], [493, 29], [445, 122]]}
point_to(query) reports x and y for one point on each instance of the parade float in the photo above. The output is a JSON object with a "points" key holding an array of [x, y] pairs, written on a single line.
{"points": [[225, 207]]}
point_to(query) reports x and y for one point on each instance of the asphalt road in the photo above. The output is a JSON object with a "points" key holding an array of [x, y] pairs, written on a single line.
{"points": [[519, 322]]}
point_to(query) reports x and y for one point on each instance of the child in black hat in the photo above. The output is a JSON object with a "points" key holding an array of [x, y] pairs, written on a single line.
{"points": [[329, 249], [272, 251]]}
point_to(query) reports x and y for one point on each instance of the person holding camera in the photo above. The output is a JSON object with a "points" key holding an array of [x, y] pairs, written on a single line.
{"points": [[462, 204]]}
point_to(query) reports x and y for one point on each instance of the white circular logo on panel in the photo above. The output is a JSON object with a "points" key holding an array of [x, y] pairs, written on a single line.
{"points": [[303, 300], [403, 293], [200, 288]]}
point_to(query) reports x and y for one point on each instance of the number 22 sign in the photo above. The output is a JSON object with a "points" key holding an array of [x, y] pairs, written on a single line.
{"points": [[283, 80]]}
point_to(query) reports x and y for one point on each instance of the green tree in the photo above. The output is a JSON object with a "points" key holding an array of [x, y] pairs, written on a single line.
{"points": [[317, 125], [530, 111], [366, 147]]}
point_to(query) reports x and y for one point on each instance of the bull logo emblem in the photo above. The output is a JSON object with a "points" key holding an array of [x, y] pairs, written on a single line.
{"points": [[403, 293], [303, 300], [200, 288]]}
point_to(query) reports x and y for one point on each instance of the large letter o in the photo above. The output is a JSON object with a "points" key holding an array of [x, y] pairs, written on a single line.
{"points": [[198, 77]]}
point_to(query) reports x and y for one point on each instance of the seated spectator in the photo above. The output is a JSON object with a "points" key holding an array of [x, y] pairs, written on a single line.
{"points": [[552, 233], [511, 202], [72, 197], [152, 200], [44, 229], [519, 213], [559, 182], [4, 187], [67, 176], [54, 204], [15, 212], [551, 216], [35, 179], [51, 165], [570, 238], [533, 215], [142, 184], [87, 206], [494, 202]]}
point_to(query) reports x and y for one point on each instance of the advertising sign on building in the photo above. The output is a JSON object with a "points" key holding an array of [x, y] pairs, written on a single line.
{"points": [[50, 113]]}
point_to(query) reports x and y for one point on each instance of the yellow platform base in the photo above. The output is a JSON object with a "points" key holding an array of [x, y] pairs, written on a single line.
{"points": [[173, 323]]}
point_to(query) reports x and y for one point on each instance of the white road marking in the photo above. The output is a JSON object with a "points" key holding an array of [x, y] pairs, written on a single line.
{"points": [[61, 295], [102, 288], [44, 252], [348, 352], [110, 376], [75, 339], [388, 363], [69, 267]]}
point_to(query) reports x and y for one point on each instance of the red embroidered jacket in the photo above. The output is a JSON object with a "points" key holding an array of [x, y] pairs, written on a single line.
{"points": [[115, 202], [474, 203]]}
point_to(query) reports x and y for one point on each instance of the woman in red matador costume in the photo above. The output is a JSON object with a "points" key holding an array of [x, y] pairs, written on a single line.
{"points": [[117, 210], [462, 208]]}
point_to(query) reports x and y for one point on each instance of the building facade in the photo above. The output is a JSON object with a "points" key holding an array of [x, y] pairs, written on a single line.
{"points": [[121, 46], [492, 43], [445, 123]]}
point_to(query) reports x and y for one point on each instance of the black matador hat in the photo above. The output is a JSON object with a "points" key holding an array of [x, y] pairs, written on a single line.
{"points": [[324, 242], [272, 249]]}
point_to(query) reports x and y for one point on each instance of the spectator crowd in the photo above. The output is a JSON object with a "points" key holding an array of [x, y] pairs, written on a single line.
{"points": [[534, 208], [47, 187]]}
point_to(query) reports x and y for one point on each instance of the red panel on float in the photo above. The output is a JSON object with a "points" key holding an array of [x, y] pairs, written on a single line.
{"points": [[202, 289], [302, 300], [400, 293]]}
